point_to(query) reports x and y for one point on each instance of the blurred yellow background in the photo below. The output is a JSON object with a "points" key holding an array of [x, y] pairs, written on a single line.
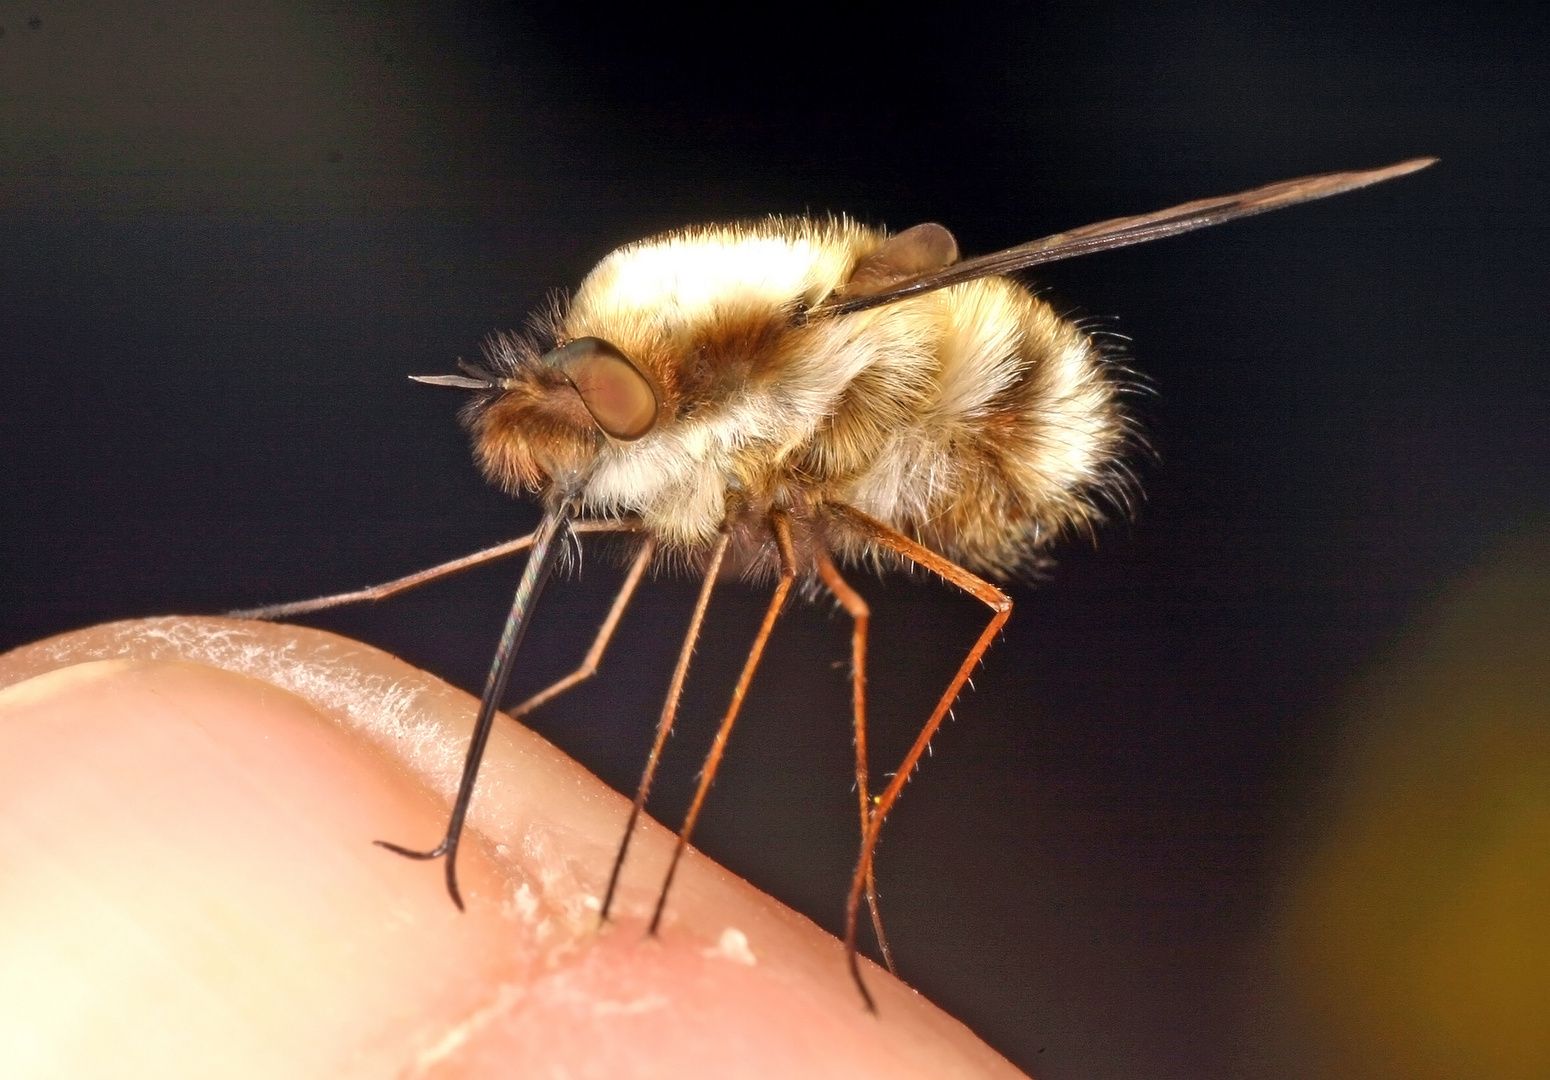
{"points": [[1418, 933]]}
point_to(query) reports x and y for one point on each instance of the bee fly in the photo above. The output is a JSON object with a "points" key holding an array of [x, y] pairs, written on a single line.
{"points": [[789, 396]]}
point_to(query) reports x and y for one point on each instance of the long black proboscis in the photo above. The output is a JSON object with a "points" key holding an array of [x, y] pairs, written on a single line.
{"points": [[547, 545]]}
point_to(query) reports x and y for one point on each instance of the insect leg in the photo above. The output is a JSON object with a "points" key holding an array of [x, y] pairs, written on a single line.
{"points": [[605, 634], [1001, 607], [781, 524], [860, 616], [547, 544], [409, 581], [665, 722]]}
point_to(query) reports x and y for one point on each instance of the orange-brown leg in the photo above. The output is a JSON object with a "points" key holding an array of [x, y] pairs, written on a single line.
{"points": [[665, 722], [860, 616], [409, 581], [605, 634], [780, 523], [1001, 607]]}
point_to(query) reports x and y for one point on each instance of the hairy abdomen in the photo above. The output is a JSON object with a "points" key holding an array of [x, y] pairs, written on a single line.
{"points": [[1015, 436]]}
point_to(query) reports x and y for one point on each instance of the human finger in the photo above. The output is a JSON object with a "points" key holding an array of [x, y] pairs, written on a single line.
{"points": [[186, 826]]}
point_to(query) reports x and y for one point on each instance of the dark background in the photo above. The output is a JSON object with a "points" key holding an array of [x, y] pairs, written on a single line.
{"points": [[226, 235]]}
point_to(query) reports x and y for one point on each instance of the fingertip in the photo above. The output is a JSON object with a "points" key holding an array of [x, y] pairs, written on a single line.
{"points": [[182, 842], [528, 980]]}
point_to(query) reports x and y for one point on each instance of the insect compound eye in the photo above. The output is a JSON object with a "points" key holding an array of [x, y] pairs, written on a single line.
{"points": [[621, 400]]}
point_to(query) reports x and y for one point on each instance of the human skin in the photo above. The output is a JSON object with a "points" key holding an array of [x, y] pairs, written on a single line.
{"points": [[187, 809]]}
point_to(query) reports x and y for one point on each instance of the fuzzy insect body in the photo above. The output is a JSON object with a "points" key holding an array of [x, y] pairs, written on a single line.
{"points": [[972, 418], [785, 395]]}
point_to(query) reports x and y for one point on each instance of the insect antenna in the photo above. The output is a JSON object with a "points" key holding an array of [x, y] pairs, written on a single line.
{"points": [[548, 543]]}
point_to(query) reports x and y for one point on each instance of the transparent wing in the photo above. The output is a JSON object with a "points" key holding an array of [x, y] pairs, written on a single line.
{"points": [[1122, 232]]}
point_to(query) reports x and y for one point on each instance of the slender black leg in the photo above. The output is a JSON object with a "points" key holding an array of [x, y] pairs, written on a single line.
{"points": [[547, 545]]}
